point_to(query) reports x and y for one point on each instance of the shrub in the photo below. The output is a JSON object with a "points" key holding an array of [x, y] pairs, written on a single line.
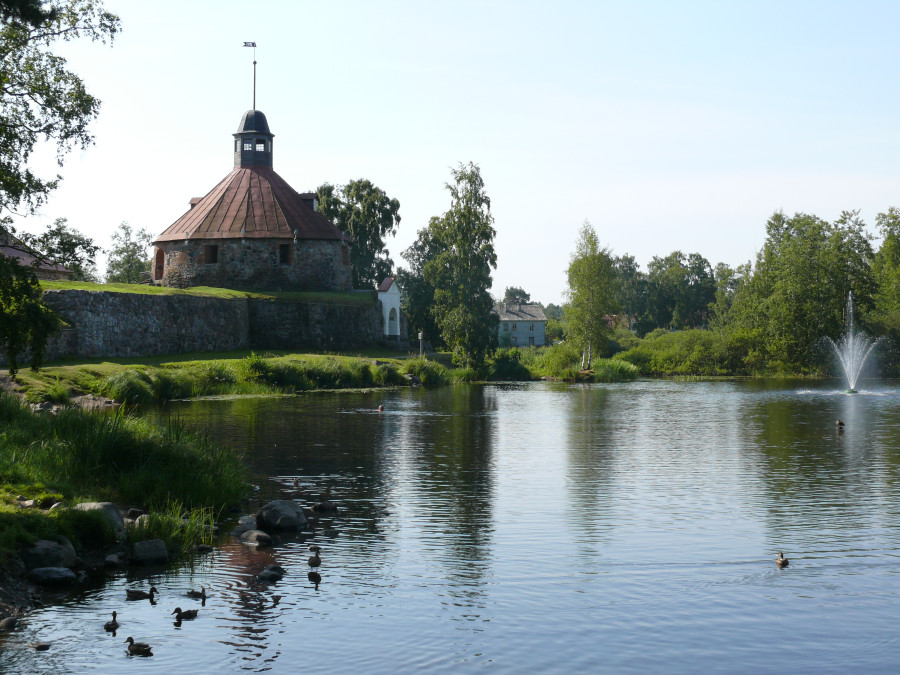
{"points": [[429, 372], [386, 375], [170, 384], [614, 370], [507, 365], [132, 386]]}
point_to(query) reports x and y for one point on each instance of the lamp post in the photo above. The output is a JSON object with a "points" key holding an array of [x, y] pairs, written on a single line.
{"points": [[421, 344]]}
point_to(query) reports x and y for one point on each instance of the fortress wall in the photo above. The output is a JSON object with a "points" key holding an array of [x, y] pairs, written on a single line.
{"points": [[106, 324]]}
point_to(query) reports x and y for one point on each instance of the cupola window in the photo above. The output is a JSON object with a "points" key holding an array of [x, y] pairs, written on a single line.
{"points": [[248, 145], [260, 145]]}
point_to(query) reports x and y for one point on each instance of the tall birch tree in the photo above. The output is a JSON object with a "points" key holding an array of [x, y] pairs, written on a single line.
{"points": [[591, 292]]}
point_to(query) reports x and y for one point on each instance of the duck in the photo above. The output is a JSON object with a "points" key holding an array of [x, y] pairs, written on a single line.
{"points": [[839, 424], [136, 594], [314, 559], [138, 648], [111, 626], [188, 615], [197, 595], [781, 561]]}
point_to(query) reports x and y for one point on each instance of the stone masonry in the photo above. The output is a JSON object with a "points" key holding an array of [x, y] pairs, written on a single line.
{"points": [[107, 324]]}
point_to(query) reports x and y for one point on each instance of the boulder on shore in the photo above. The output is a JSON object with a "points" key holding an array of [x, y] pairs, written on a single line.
{"points": [[112, 513], [47, 553], [52, 576], [281, 514], [149, 552]]}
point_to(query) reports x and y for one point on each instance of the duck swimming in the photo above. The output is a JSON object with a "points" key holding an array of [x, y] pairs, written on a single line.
{"points": [[138, 648], [135, 594], [188, 615], [111, 626], [197, 595], [781, 561]]}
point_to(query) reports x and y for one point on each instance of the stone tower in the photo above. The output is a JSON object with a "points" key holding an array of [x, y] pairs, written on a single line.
{"points": [[253, 231]]}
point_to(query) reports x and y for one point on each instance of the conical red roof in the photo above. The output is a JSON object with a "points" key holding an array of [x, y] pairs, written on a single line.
{"points": [[253, 203]]}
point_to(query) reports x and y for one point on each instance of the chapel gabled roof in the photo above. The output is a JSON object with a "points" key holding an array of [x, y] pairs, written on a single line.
{"points": [[254, 203]]}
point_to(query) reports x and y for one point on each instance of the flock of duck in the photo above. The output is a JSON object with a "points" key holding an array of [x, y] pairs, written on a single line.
{"points": [[270, 574]]}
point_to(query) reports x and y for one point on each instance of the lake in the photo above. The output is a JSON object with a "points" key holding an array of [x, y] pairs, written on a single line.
{"points": [[535, 527]]}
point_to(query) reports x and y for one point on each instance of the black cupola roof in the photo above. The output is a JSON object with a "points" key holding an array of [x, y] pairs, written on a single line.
{"points": [[253, 141]]}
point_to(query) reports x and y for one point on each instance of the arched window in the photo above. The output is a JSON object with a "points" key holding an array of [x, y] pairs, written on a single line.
{"points": [[392, 322]]}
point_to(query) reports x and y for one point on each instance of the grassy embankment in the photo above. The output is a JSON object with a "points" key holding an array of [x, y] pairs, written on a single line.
{"points": [[76, 456], [247, 373], [331, 297]]}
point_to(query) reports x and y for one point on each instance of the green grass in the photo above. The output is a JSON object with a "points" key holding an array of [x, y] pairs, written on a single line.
{"points": [[179, 528], [195, 375], [77, 456], [327, 297]]}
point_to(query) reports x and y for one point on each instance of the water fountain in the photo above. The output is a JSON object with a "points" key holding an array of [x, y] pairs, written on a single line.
{"points": [[853, 349]]}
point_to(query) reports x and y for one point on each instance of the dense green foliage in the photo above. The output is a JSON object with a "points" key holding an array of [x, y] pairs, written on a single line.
{"points": [[460, 272], [516, 294], [797, 292], [25, 322], [368, 215], [418, 292], [128, 262], [66, 246], [769, 317], [26, 11], [885, 315], [41, 100]]}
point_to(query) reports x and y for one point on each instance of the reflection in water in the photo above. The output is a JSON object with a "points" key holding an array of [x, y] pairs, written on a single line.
{"points": [[533, 528]]}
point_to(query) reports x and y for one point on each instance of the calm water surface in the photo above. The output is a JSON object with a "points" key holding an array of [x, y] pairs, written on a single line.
{"points": [[536, 528]]}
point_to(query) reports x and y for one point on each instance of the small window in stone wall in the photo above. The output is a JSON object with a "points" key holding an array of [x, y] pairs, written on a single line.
{"points": [[345, 255], [210, 254], [284, 254]]}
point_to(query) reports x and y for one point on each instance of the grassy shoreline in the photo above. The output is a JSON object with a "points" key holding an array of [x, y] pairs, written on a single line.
{"points": [[75, 456], [246, 373]]}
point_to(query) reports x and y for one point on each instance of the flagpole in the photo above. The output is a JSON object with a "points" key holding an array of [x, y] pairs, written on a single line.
{"points": [[253, 44]]}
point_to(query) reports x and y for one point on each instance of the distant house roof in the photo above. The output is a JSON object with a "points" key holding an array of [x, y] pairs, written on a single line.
{"points": [[385, 285], [26, 256], [252, 203], [511, 311]]}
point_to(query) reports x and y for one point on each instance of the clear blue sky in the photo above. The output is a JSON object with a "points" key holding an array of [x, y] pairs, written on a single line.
{"points": [[668, 125]]}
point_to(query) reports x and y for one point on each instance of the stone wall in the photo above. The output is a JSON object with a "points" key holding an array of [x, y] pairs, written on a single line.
{"points": [[287, 325], [106, 324], [255, 264]]}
